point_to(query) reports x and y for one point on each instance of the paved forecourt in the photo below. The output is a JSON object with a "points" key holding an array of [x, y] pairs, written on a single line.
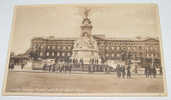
{"points": [[81, 83]]}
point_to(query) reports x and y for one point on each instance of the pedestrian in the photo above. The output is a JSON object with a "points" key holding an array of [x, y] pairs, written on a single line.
{"points": [[92, 61], [160, 69], [59, 67], [70, 67], [22, 66], [50, 67], [76, 61], [128, 72], [89, 68], [149, 71], [97, 61], [56, 67], [73, 60], [82, 65], [11, 66], [94, 67], [67, 67], [154, 72], [146, 71], [97, 68], [118, 71], [63, 67], [123, 71], [53, 68], [105, 68], [136, 71], [44, 66]]}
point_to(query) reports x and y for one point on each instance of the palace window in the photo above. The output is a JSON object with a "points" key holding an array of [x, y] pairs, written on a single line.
{"points": [[140, 47], [107, 55], [53, 47], [158, 55], [34, 46], [63, 54], [41, 53], [69, 47], [53, 54], [149, 55], [58, 54], [113, 55], [152, 55], [68, 54], [101, 47], [151, 48], [147, 49], [118, 48], [48, 47], [107, 48], [47, 54], [134, 48], [155, 48], [42, 47], [64, 47]]}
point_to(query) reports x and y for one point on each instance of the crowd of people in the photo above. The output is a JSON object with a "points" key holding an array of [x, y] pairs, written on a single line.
{"points": [[71, 64], [68, 67], [11, 66], [150, 71], [121, 70], [57, 67]]}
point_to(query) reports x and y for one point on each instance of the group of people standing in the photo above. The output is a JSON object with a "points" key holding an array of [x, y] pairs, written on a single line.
{"points": [[122, 71], [94, 61], [150, 71], [81, 61], [58, 67], [76, 61], [68, 67], [12, 66]]}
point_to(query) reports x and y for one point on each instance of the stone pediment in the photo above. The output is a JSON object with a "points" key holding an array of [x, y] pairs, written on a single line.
{"points": [[151, 40]]}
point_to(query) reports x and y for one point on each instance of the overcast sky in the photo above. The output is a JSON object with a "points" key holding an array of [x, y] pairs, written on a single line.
{"points": [[64, 21]]}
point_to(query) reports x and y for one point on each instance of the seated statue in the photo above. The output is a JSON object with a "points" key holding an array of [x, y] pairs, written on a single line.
{"points": [[85, 42]]}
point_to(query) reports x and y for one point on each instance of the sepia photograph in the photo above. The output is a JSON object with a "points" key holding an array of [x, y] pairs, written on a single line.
{"points": [[85, 50]]}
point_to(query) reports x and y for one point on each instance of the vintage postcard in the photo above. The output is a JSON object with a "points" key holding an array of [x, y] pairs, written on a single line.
{"points": [[85, 50]]}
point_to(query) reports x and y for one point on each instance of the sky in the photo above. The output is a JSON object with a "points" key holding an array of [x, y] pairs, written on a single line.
{"points": [[114, 20]]}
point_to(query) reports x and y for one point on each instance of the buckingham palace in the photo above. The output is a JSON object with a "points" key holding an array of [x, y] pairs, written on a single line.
{"points": [[109, 49], [95, 46]]}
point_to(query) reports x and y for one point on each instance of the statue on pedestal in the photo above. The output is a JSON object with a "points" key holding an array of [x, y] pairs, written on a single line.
{"points": [[85, 47]]}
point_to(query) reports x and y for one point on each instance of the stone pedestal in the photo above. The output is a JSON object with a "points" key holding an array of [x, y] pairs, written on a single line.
{"points": [[85, 48]]}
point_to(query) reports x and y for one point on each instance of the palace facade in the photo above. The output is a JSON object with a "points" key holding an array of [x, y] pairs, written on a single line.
{"points": [[109, 49], [139, 50]]}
